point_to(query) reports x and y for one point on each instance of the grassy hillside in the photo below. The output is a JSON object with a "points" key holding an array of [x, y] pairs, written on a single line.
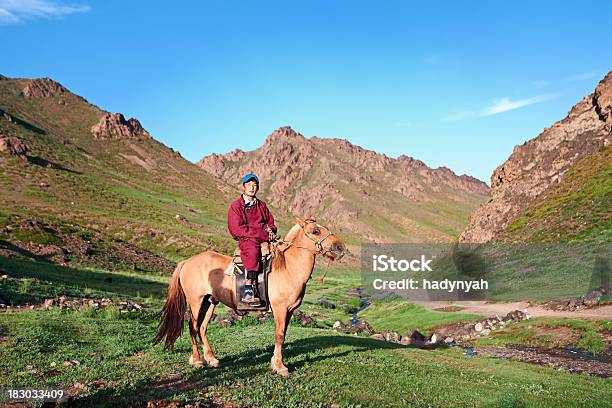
{"points": [[109, 191], [578, 208]]}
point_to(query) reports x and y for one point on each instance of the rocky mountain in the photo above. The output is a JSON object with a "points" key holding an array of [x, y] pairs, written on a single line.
{"points": [[81, 183], [539, 166], [355, 190], [575, 209]]}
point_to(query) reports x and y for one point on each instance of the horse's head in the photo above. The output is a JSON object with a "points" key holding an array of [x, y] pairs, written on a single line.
{"points": [[319, 239]]}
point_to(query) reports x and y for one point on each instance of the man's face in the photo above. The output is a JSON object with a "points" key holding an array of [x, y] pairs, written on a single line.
{"points": [[250, 188]]}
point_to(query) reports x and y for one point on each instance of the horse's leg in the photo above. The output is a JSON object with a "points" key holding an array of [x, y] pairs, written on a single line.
{"points": [[281, 321], [194, 359], [209, 356]]}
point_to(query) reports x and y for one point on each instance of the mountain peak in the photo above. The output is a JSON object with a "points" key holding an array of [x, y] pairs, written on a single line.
{"points": [[284, 133], [353, 189], [43, 88]]}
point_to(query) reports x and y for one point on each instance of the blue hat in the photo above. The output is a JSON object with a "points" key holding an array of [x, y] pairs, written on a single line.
{"points": [[249, 177]]}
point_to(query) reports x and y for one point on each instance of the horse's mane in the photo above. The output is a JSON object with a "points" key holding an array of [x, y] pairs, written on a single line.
{"points": [[278, 262]]}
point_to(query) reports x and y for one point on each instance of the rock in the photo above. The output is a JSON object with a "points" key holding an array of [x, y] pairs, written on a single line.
{"points": [[225, 323], [538, 163], [434, 338], [449, 340], [393, 337], [414, 337], [377, 336], [593, 297], [339, 326], [115, 127], [327, 303], [405, 341], [356, 292], [485, 332], [43, 88], [478, 327], [516, 316], [13, 146], [304, 318], [263, 316], [361, 326], [236, 315]]}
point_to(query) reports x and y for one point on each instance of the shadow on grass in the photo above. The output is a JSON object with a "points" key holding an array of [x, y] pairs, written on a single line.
{"points": [[235, 369], [39, 161], [23, 123], [21, 251], [54, 280]]}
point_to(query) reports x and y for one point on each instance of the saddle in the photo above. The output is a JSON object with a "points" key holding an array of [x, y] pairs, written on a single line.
{"points": [[236, 269]]}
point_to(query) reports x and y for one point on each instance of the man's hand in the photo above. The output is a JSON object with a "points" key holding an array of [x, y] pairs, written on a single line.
{"points": [[271, 235]]}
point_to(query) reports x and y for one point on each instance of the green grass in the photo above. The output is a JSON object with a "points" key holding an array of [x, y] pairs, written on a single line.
{"points": [[326, 367], [36, 237], [120, 365], [37, 281], [400, 316], [534, 333], [576, 209]]}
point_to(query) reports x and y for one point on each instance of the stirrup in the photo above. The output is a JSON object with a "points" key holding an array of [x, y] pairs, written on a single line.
{"points": [[249, 297]]}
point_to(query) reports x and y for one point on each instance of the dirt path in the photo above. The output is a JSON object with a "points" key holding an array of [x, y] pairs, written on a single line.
{"points": [[486, 308]]}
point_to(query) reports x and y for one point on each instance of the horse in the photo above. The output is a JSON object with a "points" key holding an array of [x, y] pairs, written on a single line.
{"points": [[201, 282]]}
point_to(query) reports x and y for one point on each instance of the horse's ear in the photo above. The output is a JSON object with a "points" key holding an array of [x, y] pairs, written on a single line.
{"points": [[300, 221]]}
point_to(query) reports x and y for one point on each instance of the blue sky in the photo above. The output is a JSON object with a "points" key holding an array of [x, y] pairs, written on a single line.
{"points": [[454, 84]]}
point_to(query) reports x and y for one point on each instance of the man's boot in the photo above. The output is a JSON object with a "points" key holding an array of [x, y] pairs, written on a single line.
{"points": [[250, 289]]}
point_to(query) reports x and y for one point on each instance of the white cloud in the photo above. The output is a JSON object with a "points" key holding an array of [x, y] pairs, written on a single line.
{"points": [[504, 104], [18, 11]]}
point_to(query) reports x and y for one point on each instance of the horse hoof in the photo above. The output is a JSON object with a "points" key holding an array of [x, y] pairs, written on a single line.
{"points": [[214, 363], [195, 363], [283, 372]]}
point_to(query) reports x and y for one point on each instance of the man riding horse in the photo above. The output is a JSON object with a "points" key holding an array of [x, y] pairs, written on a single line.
{"points": [[250, 223]]}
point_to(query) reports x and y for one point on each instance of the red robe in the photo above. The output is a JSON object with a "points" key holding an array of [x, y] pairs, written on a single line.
{"points": [[247, 225]]}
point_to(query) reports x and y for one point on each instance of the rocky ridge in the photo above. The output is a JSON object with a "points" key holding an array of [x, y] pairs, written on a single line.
{"points": [[541, 162], [115, 127], [13, 146], [333, 179], [43, 88]]}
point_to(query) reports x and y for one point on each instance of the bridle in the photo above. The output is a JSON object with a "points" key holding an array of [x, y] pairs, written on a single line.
{"points": [[318, 244]]}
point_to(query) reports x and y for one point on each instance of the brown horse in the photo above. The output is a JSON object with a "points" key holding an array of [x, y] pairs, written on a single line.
{"points": [[200, 281]]}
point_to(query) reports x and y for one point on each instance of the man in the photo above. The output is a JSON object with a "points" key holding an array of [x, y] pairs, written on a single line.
{"points": [[250, 223]]}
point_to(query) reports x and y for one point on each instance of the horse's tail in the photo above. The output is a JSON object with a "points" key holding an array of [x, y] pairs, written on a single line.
{"points": [[173, 312]]}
